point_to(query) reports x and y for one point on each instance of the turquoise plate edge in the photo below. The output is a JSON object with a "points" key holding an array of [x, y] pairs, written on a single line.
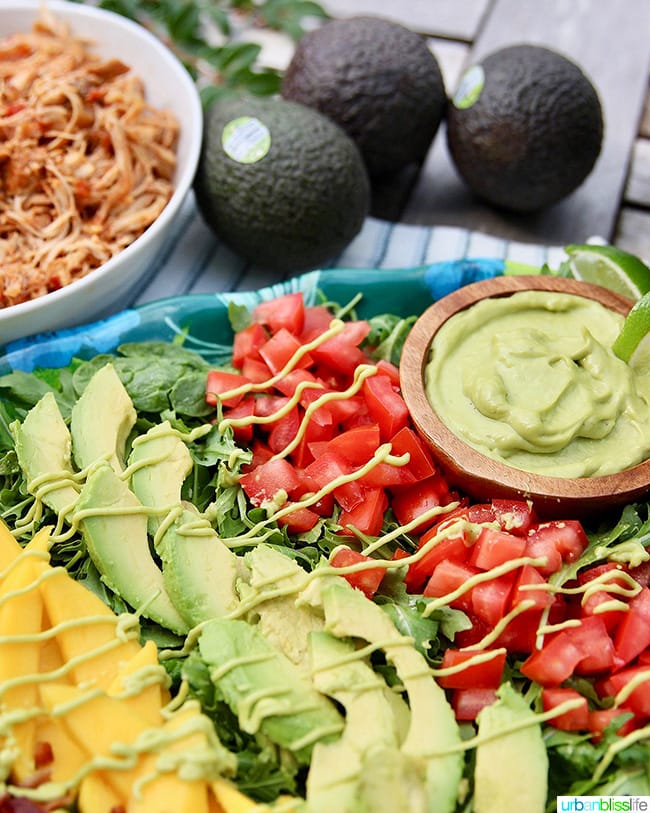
{"points": [[201, 320]]}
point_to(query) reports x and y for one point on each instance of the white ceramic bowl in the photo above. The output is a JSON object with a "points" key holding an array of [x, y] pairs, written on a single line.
{"points": [[167, 85]]}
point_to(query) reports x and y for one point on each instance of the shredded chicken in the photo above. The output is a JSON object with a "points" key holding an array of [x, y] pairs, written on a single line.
{"points": [[86, 164]]}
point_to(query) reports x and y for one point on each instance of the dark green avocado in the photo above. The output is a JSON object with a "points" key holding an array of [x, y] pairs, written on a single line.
{"points": [[378, 80], [524, 128], [279, 183]]}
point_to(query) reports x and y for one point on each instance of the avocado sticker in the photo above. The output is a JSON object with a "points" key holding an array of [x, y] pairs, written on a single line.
{"points": [[246, 140], [470, 88]]}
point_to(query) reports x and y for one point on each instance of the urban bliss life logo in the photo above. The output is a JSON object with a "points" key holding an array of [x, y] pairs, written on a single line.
{"points": [[582, 804]]}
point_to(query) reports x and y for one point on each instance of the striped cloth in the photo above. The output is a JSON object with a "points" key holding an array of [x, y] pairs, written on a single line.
{"points": [[195, 261]]}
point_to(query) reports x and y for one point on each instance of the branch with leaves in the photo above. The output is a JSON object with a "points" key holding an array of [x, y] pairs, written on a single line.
{"points": [[208, 36]]}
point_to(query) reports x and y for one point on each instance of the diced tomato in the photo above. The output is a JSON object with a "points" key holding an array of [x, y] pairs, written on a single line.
{"points": [[598, 648], [528, 578], [341, 353], [601, 719], [494, 548], [247, 343], [385, 475], [411, 502], [420, 464], [391, 370], [255, 370], [542, 546], [244, 410], [222, 381], [447, 577], [520, 634], [467, 703], [267, 405], [386, 406], [289, 383], [484, 675], [554, 662], [633, 632], [265, 480], [286, 312], [348, 411], [639, 698], [317, 319], [328, 467], [368, 516], [284, 430], [490, 600], [451, 548], [480, 513], [366, 580], [356, 445], [576, 719], [280, 349], [515, 516], [299, 520], [566, 537]]}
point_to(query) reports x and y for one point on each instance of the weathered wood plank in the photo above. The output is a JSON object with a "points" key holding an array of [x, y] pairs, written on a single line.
{"points": [[610, 41], [456, 19], [633, 232], [637, 190]]}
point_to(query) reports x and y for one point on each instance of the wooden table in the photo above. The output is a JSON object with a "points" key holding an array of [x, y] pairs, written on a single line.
{"points": [[609, 39]]}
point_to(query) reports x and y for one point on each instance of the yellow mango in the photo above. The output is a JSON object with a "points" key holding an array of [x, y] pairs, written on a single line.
{"points": [[21, 613], [96, 796], [151, 698], [230, 798], [67, 601], [97, 722], [213, 804], [50, 656], [166, 792], [9, 547], [69, 756]]}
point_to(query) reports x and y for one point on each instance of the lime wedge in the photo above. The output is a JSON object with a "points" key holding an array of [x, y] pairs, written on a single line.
{"points": [[610, 267], [631, 344]]}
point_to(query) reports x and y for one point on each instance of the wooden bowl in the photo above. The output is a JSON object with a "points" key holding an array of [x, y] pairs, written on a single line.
{"points": [[481, 476]]}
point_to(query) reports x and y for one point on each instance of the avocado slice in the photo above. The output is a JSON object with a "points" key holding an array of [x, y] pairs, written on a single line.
{"points": [[199, 571], [101, 420], [160, 462], [433, 728], [272, 572], [44, 451], [511, 765], [265, 690], [365, 769], [114, 526]]}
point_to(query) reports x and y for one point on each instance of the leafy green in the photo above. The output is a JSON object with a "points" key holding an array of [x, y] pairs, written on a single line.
{"points": [[206, 37], [264, 771], [387, 336]]}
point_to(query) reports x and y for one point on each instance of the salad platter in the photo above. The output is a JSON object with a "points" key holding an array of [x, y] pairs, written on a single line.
{"points": [[304, 614]]}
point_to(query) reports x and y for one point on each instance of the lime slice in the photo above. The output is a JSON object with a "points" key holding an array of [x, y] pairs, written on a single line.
{"points": [[610, 267], [632, 344]]}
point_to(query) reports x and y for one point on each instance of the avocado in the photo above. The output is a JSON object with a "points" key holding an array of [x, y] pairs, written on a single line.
{"points": [[114, 527], [279, 183], [348, 613], [377, 80], [265, 690], [101, 420], [271, 572], [159, 464], [365, 769], [44, 451], [524, 128], [200, 572], [510, 766]]}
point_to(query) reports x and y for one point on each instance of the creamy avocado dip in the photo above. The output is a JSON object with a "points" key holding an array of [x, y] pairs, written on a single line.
{"points": [[530, 380]]}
